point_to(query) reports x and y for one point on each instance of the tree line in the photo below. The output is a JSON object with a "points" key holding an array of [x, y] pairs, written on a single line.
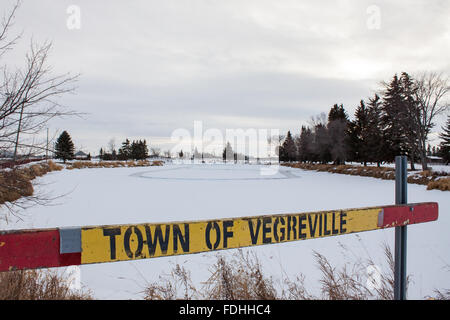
{"points": [[395, 121], [135, 150]]}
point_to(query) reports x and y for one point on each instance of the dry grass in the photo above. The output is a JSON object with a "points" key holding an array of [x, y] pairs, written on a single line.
{"points": [[176, 285], [112, 164], [432, 179], [38, 285], [442, 184], [241, 277], [16, 183]]}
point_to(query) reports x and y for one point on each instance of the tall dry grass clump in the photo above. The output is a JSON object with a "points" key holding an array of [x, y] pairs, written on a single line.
{"points": [[429, 178], [16, 183], [113, 164], [38, 285], [442, 184], [241, 277]]}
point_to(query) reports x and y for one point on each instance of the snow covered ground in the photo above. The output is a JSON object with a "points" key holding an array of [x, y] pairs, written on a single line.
{"points": [[180, 192]]}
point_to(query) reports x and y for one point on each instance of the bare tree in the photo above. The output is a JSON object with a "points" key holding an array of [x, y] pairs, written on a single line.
{"points": [[155, 151], [28, 95], [431, 89], [277, 141], [28, 100], [112, 145], [167, 154]]}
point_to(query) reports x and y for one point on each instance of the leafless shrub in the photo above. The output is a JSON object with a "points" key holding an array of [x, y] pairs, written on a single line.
{"points": [[441, 295], [16, 189], [177, 284], [241, 278], [38, 285], [441, 184]]}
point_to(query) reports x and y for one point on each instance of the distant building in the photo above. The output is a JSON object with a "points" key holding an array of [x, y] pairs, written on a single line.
{"points": [[80, 155], [435, 160]]}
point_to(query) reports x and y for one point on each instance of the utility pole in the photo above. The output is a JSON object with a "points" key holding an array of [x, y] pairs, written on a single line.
{"points": [[46, 148], [18, 132]]}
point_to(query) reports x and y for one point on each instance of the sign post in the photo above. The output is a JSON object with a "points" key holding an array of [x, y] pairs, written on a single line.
{"points": [[401, 184]]}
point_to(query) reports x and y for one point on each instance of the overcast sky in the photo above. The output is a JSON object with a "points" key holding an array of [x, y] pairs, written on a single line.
{"points": [[150, 67]]}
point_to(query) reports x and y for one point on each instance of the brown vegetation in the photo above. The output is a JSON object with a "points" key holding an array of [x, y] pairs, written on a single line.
{"points": [[38, 285], [112, 164], [16, 183], [442, 184], [241, 277], [432, 179]]}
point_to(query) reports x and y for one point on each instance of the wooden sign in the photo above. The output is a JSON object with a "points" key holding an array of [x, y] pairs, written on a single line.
{"points": [[31, 249]]}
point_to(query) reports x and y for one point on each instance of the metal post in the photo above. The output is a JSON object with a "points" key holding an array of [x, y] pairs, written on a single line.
{"points": [[401, 183]]}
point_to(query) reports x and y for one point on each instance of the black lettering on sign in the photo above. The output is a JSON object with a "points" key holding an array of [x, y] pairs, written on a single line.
{"points": [[127, 242], [208, 235], [184, 240], [267, 221], [283, 229], [301, 226], [279, 220], [326, 232], [226, 233], [320, 225], [294, 227], [157, 238], [112, 233], [333, 227], [289, 227], [312, 227], [343, 221], [254, 233]]}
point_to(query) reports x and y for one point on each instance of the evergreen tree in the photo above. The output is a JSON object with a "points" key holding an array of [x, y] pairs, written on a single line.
{"points": [[228, 152], [64, 148], [444, 151], [375, 142], [288, 150], [322, 145], [337, 112], [180, 154], [412, 114], [358, 134], [305, 145], [400, 118], [391, 120], [125, 150], [139, 150], [338, 134]]}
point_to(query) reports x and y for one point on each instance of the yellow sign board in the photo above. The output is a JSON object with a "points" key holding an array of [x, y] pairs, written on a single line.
{"points": [[128, 242]]}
